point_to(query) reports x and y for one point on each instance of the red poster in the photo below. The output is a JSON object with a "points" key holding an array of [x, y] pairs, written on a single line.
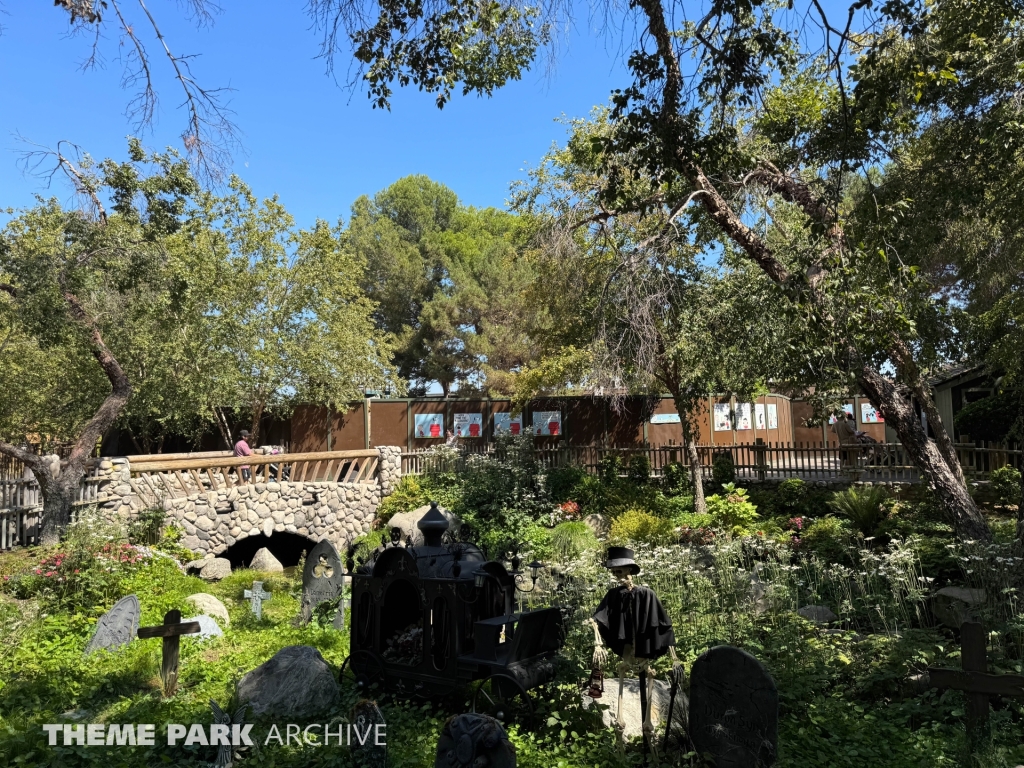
{"points": [[435, 430]]}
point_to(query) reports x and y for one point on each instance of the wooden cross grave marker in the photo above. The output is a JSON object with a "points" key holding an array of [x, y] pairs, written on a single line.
{"points": [[171, 631], [256, 596], [974, 679]]}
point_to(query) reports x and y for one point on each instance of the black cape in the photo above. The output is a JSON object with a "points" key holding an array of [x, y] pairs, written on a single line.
{"points": [[634, 616]]}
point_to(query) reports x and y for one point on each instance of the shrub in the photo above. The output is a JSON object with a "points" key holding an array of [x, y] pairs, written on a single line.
{"points": [[572, 539], [791, 494], [732, 511], [407, 496], [610, 468], [562, 482], [828, 538], [145, 528], [639, 469], [675, 479], [723, 470], [1006, 485], [590, 494], [863, 507], [639, 527]]}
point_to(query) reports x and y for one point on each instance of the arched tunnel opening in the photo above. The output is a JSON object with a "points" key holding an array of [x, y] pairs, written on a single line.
{"points": [[285, 546]]}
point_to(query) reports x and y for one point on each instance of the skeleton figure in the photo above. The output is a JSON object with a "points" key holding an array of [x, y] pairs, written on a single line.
{"points": [[632, 622]]}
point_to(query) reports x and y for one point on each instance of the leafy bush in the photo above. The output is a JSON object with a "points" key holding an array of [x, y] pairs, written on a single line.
{"points": [[675, 479], [145, 528], [828, 538], [639, 527], [589, 494], [723, 470], [1006, 485], [732, 511], [562, 482], [407, 496], [639, 469], [570, 540], [610, 468], [864, 507], [990, 418]]}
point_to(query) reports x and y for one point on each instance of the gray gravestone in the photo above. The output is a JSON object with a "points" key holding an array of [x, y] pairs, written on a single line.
{"points": [[322, 578], [734, 709], [472, 740], [369, 736], [207, 627], [117, 626], [256, 596]]}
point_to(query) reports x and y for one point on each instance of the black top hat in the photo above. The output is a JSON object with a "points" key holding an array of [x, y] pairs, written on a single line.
{"points": [[621, 557]]}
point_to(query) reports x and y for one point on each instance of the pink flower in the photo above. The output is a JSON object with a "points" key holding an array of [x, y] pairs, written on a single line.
{"points": [[76, 570], [49, 573]]}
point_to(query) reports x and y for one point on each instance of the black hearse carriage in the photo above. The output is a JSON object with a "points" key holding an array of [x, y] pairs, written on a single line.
{"points": [[427, 620]]}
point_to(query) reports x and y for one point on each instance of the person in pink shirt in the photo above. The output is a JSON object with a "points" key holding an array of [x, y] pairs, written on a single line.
{"points": [[242, 449]]}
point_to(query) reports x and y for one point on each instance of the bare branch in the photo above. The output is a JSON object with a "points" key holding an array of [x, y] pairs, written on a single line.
{"points": [[84, 184]]}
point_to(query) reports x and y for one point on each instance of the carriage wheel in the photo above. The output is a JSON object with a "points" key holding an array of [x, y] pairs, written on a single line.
{"points": [[502, 697], [361, 669]]}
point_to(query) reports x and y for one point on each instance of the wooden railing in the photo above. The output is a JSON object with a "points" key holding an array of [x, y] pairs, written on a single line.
{"points": [[153, 481], [878, 462]]}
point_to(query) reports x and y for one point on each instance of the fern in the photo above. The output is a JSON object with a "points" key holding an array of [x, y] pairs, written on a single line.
{"points": [[863, 507]]}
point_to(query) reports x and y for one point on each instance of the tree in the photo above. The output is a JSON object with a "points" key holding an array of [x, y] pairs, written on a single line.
{"points": [[447, 281], [66, 275], [727, 133]]}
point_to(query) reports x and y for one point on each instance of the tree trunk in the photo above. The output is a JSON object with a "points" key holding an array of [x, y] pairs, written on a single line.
{"points": [[58, 499], [696, 475], [964, 514]]}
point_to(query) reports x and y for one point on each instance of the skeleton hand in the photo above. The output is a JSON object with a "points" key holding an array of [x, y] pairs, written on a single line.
{"points": [[600, 656]]}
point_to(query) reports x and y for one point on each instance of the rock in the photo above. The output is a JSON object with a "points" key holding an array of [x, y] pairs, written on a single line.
{"points": [[598, 524], [471, 740], [295, 683], [207, 627], [631, 707], [216, 569], [953, 606], [263, 560], [819, 614], [407, 521], [211, 606]]}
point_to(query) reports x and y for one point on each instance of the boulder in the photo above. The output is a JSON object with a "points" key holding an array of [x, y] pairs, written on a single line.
{"points": [[631, 707], [211, 606], [207, 627], [406, 521], [215, 569], [598, 524], [295, 683], [819, 614], [953, 606], [266, 562], [194, 567]]}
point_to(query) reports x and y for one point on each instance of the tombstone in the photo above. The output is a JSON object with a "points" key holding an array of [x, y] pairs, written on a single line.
{"points": [[368, 742], [470, 740], [117, 626], [207, 627], [256, 596], [322, 580], [171, 631], [734, 709]]}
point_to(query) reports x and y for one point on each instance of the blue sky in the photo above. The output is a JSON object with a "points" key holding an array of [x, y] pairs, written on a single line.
{"points": [[315, 144]]}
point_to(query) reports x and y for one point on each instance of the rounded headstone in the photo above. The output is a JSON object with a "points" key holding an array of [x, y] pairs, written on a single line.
{"points": [[264, 561], [322, 578], [215, 569], [296, 682], [819, 614], [472, 740], [953, 606], [117, 626], [734, 709], [207, 627], [211, 606]]}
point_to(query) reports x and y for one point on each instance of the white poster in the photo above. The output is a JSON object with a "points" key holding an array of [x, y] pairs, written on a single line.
{"points": [[665, 418], [723, 417], [868, 414], [505, 424], [743, 418], [773, 416], [468, 424], [430, 425], [848, 407], [547, 422], [759, 416]]}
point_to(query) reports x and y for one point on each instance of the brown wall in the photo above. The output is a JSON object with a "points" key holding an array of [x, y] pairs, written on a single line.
{"points": [[803, 413]]}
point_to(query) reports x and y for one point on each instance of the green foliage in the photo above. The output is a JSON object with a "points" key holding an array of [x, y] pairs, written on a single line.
{"points": [[571, 539], [675, 479], [732, 510], [864, 507], [639, 471], [828, 538], [146, 527], [638, 527], [407, 496], [1006, 485], [723, 470], [610, 468], [562, 483]]}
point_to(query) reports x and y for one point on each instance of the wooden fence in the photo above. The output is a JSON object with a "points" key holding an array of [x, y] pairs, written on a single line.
{"points": [[878, 462]]}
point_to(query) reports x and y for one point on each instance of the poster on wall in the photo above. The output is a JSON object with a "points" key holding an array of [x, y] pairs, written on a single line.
{"points": [[743, 416], [429, 425], [848, 408], [759, 419], [547, 423], [468, 424], [665, 418], [723, 417], [868, 414], [504, 424], [773, 416]]}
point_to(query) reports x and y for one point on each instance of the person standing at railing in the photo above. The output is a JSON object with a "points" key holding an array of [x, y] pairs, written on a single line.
{"points": [[242, 449], [846, 430]]}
